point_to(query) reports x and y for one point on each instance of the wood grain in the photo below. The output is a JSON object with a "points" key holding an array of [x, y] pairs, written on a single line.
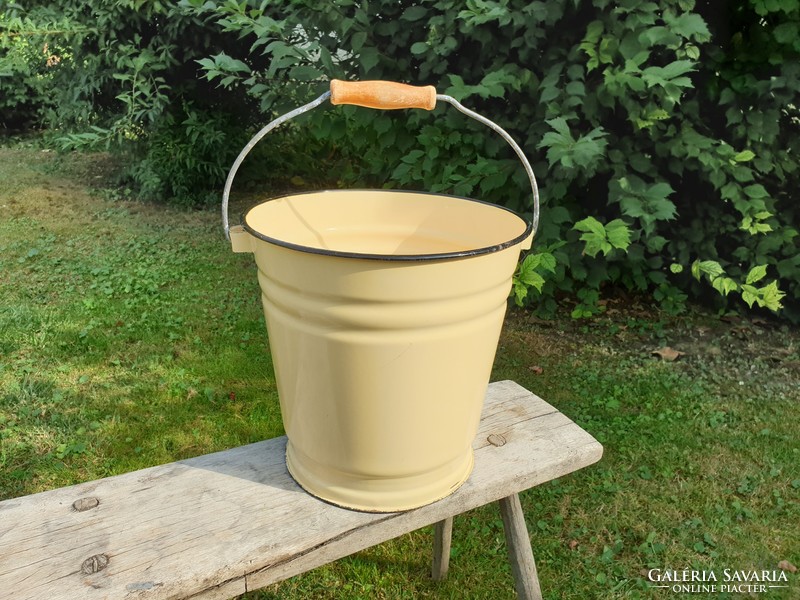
{"points": [[520, 555], [442, 538], [220, 524]]}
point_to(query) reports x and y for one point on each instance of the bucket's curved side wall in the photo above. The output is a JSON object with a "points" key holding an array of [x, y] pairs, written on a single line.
{"points": [[382, 368]]}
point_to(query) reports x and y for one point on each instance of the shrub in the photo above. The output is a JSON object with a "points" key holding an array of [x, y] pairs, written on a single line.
{"points": [[122, 76], [643, 122], [26, 69], [184, 156]]}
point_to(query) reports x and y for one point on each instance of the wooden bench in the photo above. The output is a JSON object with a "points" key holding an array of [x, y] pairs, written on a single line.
{"points": [[222, 524]]}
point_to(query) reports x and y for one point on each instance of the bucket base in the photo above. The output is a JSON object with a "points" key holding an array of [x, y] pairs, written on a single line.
{"points": [[378, 495]]}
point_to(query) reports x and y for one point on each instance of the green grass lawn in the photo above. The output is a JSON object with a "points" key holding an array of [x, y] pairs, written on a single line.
{"points": [[131, 336]]}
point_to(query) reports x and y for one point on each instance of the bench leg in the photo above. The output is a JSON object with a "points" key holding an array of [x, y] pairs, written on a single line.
{"points": [[520, 554], [442, 534]]}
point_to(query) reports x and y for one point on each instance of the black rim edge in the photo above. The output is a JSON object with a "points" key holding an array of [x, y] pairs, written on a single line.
{"points": [[391, 257]]}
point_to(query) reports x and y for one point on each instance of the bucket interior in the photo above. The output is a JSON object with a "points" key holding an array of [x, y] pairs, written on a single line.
{"points": [[387, 225]]}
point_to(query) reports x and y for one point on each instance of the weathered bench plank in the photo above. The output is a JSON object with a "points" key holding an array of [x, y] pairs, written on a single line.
{"points": [[221, 524]]}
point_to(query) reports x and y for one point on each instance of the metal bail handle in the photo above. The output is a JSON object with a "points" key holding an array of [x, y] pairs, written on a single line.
{"points": [[384, 95]]}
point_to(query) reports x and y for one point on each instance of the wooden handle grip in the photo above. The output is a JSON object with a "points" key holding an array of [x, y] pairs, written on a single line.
{"points": [[386, 95]]}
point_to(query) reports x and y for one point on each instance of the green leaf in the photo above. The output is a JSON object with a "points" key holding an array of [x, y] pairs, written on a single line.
{"points": [[749, 296], [757, 273], [520, 293], [607, 49], [558, 149], [771, 296], [659, 191], [785, 33], [369, 58], [458, 89], [658, 114], [639, 162], [677, 68], [548, 262], [305, 73], [526, 276], [496, 179], [527, 270], [596, 237], [676, 268], [533, 279], [659, 35], [589, 148], [419, 48], [498, 81], [576, 88], [414, 13], [228, 63], [660, 209], [558, 214], [655, 242], [590, 224], [531, 262], [618, 234], [593, 31], [724, 285], [584, 152], [358, 39], [756, 191], [647, 203], [688, 25], [742, 173], [744, 156], [595, 245], [560, 125], [711, 268]]}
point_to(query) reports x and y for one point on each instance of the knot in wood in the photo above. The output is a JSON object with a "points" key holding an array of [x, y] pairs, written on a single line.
{"points": [[94, 564], [83, 504], [495, 439]]}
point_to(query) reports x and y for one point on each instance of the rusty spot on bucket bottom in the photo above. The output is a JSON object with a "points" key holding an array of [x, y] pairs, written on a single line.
{"points": [[495, 439], [94, 564]]}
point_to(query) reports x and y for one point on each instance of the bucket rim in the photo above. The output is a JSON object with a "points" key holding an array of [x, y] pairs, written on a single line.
{"points": [[390, 257]]}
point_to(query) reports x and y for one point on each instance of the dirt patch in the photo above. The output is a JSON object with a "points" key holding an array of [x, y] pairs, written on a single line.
{"points": [[728, 352], [79, 186]]}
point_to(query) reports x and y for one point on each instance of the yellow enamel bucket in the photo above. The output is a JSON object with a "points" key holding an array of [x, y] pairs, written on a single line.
{"points": [[383, 312]]}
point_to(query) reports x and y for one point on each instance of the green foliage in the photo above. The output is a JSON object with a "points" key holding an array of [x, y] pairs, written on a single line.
{"points": [[121, 76], [674, 123], [584, 153], [185, 152], [30, 56], [588, 304], [529, 274], [603, 238], [620, 106], [767, 296]]}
